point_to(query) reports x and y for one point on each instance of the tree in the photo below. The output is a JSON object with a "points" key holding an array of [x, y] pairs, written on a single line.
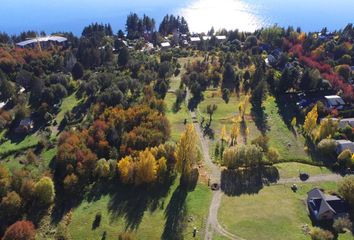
{"points": [[70, 183], [235, 131], [226, 95], [4, 180], [102, 168], [146, 168], [346, 189], [44, 191], [126, 169], [211, 108], [77, 71], [7, 90], [327, 147], [20, 230], [123, 57], [242, 156], [345, 158], [311, 121], [10, 205], [328, 127], [187, 152]]}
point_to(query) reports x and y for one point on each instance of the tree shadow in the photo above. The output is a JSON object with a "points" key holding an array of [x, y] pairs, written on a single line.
{"points": [[175, 215], [260, 118], [131, 202], [288, 109], [247, 181]]}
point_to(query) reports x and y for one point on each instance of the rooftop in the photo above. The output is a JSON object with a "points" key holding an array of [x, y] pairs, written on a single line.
{"points": [[58, 39]]}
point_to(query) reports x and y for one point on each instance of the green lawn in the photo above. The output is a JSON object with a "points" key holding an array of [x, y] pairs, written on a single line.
{"points": [[152, 224], [274, 213], [290, 170], [176, 119], [67, 105], [28, 142], [289, 145]]}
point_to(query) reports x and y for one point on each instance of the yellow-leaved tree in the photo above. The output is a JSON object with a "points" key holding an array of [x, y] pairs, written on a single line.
{"points": [[235, 131], [187, 152], [311, 121], [146, 168], [126, 169]]}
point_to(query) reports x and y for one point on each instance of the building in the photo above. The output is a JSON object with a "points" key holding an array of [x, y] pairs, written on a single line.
{"points": [[25, 126], [220, 38], [165, 45], [195, 39], [325, 207], [206, 38], [344, 145], [334, 102], [43, 41]]}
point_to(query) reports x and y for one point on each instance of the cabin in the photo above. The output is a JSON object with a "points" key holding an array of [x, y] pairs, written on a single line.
{"points": [[334, 102], [43, 41], [206, 38], [344, 145], [25, 126], [165, 45], [325, 207]]}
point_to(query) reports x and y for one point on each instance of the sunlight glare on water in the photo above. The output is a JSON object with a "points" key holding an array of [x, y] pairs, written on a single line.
{"points": [[229, 14]]}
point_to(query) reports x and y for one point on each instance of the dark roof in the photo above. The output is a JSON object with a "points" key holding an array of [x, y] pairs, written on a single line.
{"points": [[321, 203], [26, 122]]}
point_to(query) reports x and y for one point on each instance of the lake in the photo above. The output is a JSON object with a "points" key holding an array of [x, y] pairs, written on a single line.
{"points": [[248, 15]]}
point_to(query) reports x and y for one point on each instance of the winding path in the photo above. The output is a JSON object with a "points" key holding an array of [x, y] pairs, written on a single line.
{"points": [[212, 224]]}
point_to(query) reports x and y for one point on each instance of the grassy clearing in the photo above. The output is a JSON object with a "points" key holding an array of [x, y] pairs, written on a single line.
{"points": [[152, 224], [288, 144], [67, 105], [28, 142], [290, 170], [274, 213], [176, 119]]}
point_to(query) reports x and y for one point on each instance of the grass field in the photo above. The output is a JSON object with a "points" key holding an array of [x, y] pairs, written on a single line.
{"points": [[68, 103], [274, 213], [28, 142], [292, 169], [289, 145], [152, 224]]}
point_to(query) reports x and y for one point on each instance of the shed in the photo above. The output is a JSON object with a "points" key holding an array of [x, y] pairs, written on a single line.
{"points": [[334, 101], [165, 45]]}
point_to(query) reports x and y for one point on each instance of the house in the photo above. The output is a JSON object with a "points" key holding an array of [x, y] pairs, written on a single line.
{"points": [[344, 145], [25, 126], [270, 60], [195, 40], [165, 45], [206, 38], [346, 122], [220, 38], [325, 207], [334, 102]]}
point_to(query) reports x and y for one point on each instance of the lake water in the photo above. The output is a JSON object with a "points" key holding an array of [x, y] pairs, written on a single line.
{"points": [[73, 15]]}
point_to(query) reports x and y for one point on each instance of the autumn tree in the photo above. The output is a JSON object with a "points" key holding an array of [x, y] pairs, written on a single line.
{"points": [[10, 205], [346, 189], [102, 169], [328, 127], [126, 169], [20, 230], [146, 168], [187, 152], [242, 156], [235, 131], [44, 191], [311, 121], [4, 180]]}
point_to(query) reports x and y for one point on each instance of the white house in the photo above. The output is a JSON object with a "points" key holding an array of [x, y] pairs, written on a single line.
{"points": [[165, 45]]}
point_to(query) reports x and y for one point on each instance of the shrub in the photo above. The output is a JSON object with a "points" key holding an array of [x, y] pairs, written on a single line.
{"points": [[320, 234], [262, 142], [345, 158], [346, 189], [273, 155], [10, 205], [242, 156], [326, 146], [21, 230], [340, 224]]}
